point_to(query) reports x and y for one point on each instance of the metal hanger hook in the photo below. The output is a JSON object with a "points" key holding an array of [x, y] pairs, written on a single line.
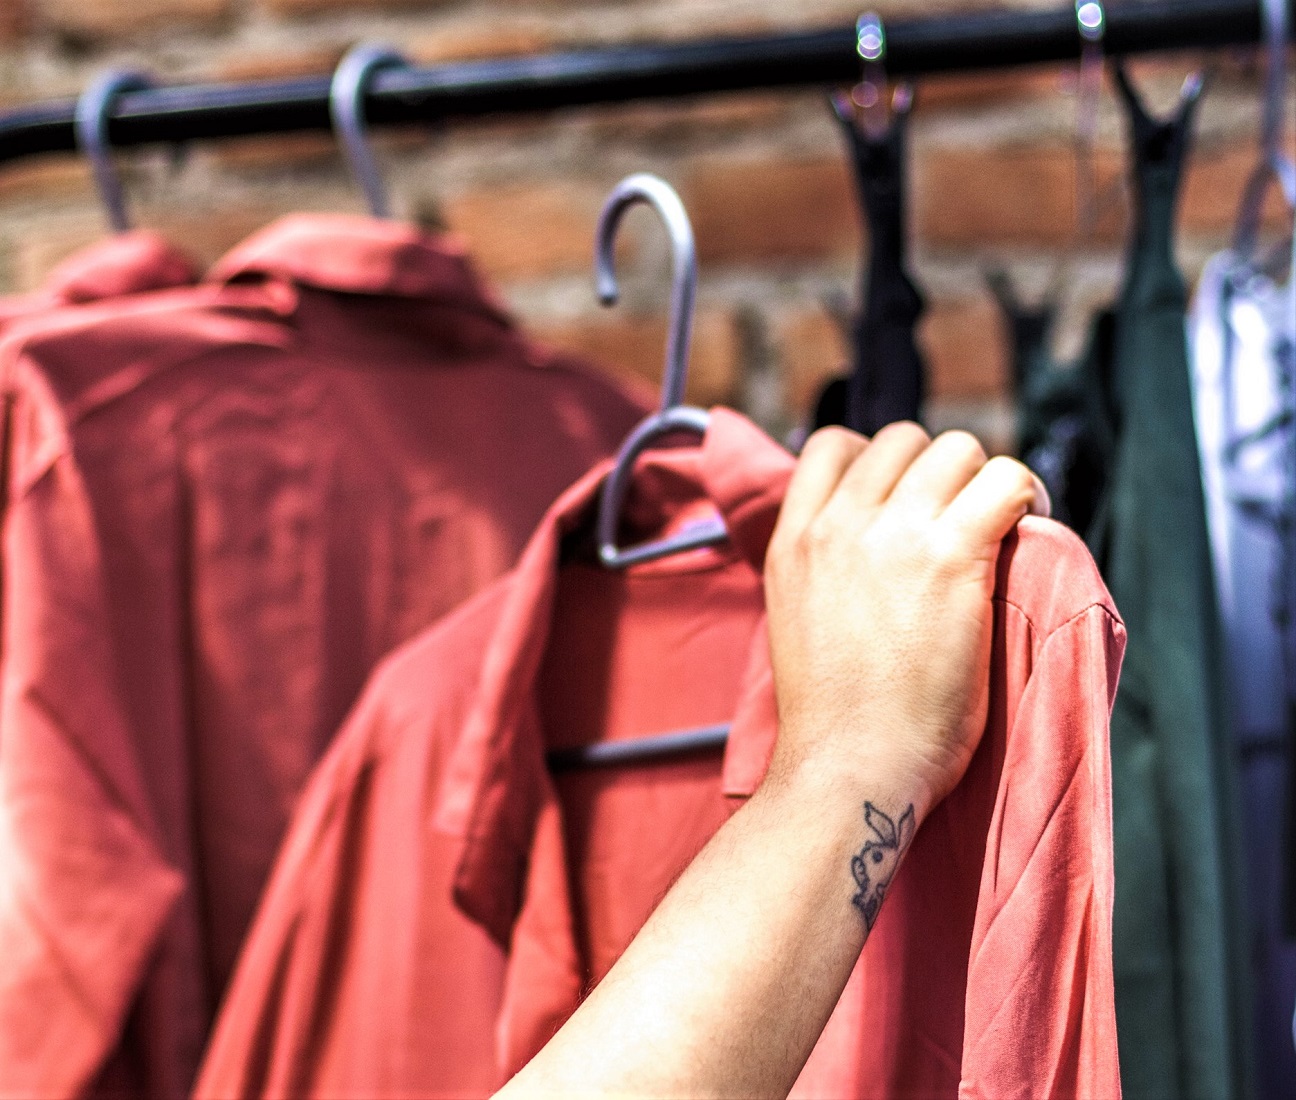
{"points": [[1275, 167], [91, 125], [1091, 25], [657, 193], [346, 107], [1091, 22], [869, 95], [1275, 101]]}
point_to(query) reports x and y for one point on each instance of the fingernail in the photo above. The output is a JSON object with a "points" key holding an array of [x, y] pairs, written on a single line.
{"points": [[1041, 505]]}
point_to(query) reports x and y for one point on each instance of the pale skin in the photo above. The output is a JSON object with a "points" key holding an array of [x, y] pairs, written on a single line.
{"points": [[878, 584]]}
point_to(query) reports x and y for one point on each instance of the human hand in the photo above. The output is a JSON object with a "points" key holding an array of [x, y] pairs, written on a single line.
{"points": [[878, 584]]}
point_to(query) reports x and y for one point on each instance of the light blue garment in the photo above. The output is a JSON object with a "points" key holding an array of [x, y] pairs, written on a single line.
{"points": [[1242, 332]]}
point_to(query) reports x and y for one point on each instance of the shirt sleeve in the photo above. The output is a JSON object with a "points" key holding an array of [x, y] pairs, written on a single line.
{"points": [[1040, 1012]]}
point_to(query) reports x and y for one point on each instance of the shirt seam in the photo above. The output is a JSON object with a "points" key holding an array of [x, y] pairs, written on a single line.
{"points": [[1101, 605]]}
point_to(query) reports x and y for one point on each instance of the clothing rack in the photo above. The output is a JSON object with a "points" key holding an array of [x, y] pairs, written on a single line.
{"points": [[525, 85]]}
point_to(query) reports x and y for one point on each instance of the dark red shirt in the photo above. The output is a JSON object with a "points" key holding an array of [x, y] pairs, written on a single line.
{"points": [[226, 503]]}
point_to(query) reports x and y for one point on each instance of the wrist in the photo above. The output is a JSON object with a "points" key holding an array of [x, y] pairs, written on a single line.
{"points": [[857, 820], [819, 772]]}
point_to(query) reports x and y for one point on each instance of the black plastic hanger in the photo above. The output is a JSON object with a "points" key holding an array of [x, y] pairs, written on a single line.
{"points": [[887, 380]]}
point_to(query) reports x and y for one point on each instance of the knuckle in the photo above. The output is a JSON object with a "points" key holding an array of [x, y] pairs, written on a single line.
{"points": [[830, 440], [1013, 475], [945, 546], [819, 535], [901, 432], [962, 444]]}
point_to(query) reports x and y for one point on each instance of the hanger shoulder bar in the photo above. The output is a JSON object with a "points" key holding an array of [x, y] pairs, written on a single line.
{"points": [[980, 40], [638, 750]]}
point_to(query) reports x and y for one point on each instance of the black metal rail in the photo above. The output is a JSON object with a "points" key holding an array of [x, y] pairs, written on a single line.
{"points": [[939, 44]]}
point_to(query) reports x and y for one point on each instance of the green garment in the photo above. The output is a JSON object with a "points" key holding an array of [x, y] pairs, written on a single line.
{"points": [[1178, 928]]}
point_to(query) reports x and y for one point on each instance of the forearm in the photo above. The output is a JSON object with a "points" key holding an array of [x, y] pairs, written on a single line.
{"points": [[726, 988], [878, 584]]}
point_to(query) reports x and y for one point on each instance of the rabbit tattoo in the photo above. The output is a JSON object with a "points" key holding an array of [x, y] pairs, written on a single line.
{"points": [[875, 864]]}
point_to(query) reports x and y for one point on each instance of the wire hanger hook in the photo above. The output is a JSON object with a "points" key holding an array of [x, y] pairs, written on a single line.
{"points": [[673, 417], [346, 107], [1091, 20], [1275, 166], [657, 193], [1091, 25], [91, 124], [871, 44]]}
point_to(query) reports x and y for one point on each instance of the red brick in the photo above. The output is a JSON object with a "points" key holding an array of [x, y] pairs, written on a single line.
{"points": [[116, 19], [1025, 195], [810, 349], [479, 41], [33, 255], [280, 65], [967, 355], [314, 7], [521, 231], [684, 120], [772, 211], [1213, 190], [43, 178], [646, 130], [277, 153], [13, 19], [636, 345], [1022, 195], [962, 91]]}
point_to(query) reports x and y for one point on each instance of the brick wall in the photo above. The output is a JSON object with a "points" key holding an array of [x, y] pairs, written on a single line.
{"points": [[762, 174]]}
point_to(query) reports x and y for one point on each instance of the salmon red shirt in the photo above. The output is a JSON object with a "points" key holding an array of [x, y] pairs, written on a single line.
{"points": [[225, 504], [442, 900]]}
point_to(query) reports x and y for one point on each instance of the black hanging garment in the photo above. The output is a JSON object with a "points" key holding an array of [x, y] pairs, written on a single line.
{"points": [[887, 381], [1178, 949], [1064, 414]]}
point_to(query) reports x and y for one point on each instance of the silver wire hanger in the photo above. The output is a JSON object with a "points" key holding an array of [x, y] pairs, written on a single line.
{"points": [[1091, 201], [1274, 165], [674, 417], [1091, 26], [346, 107], [91, 125]]}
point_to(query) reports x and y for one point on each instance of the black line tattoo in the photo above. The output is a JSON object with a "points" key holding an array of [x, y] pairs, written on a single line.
{"points": [[875, 864]]}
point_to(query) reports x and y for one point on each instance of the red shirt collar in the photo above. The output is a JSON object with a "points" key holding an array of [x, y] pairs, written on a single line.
{"points": [[129, 263], [358, 255], [497, 780]]}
